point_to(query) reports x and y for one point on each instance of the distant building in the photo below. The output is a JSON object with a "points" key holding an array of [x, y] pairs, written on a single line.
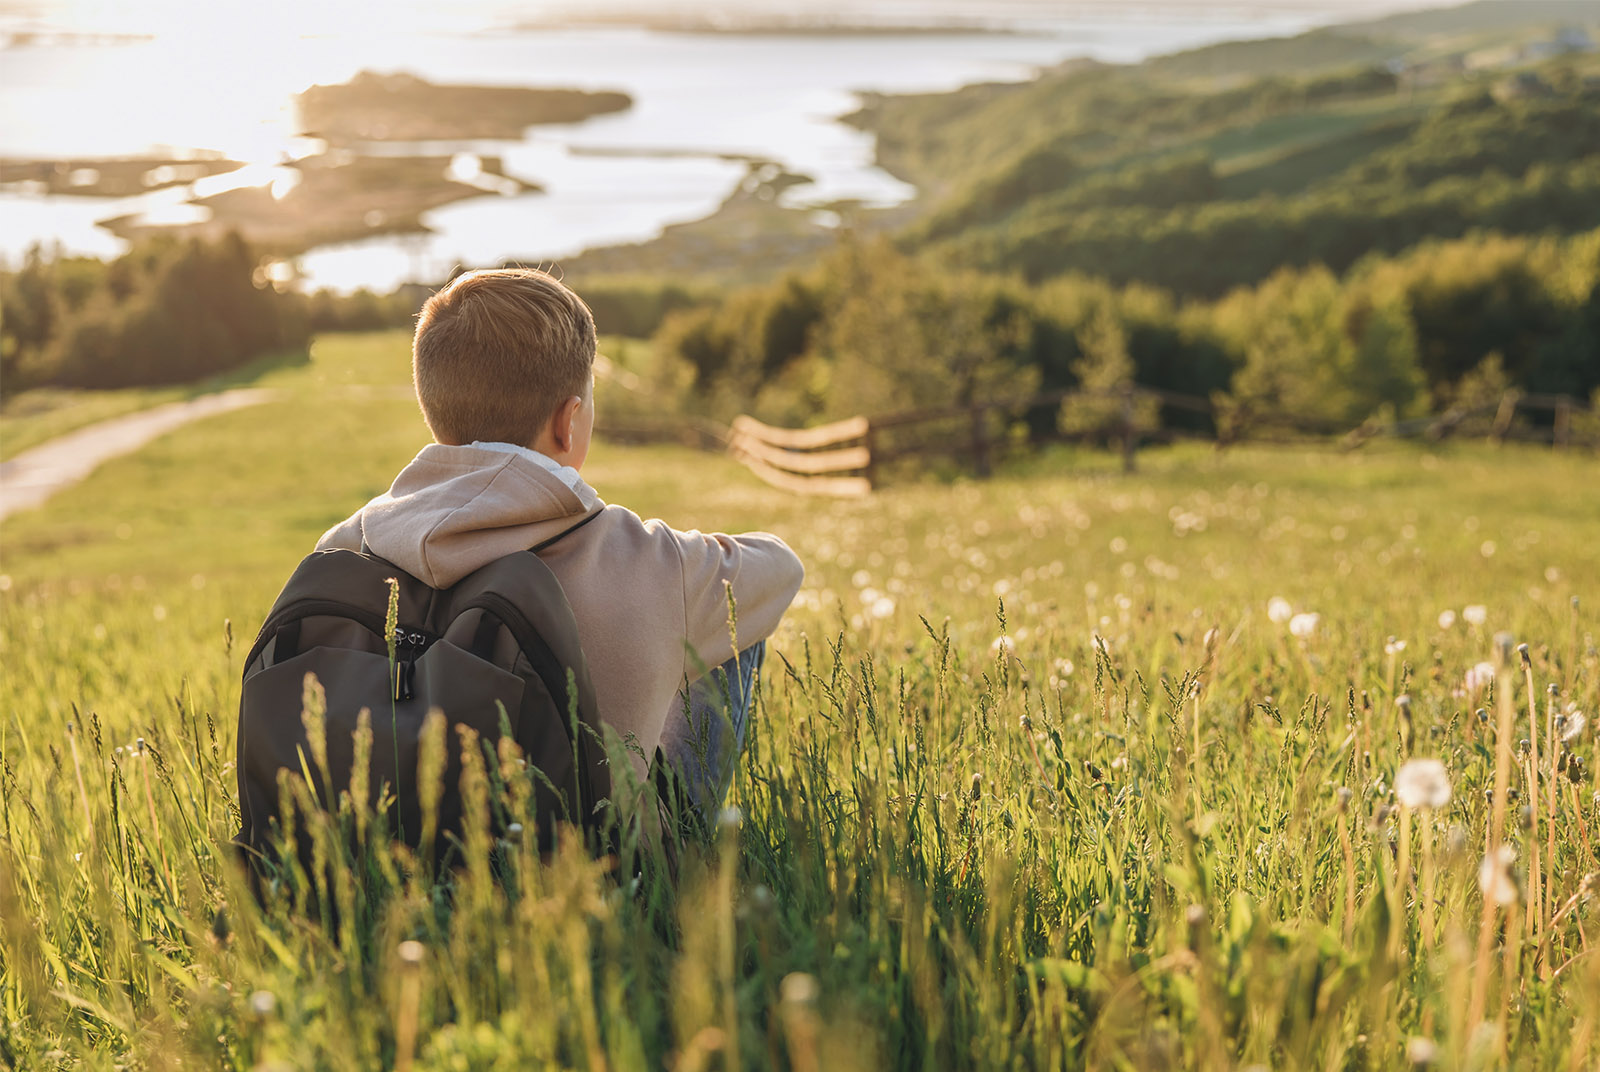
{"points": [[1570, 40]]}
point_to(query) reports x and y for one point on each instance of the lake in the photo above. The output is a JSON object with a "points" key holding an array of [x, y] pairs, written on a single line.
{"points": [[699, 99]]}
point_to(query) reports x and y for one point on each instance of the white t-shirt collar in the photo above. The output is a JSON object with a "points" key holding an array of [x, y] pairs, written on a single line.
{"points": [[565, 473]]}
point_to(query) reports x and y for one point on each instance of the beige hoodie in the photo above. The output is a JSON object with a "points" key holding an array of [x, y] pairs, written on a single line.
{"points": [[649, 600]]}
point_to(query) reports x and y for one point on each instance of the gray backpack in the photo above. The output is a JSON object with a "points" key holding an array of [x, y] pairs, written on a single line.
{"points": [[497, 652]]}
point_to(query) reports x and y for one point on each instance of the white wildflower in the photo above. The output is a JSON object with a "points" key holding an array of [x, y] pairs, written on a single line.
{"points": [[1422, 783], [1303, 625], [1279, 609], [1475, 614], [1447, 618], [1494, 876]]}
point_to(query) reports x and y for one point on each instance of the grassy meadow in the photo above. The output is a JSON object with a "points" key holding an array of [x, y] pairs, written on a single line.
{"points": [[1040, 776]]}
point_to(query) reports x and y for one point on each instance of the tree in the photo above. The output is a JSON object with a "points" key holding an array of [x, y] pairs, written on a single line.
{"points": [[1108, 401], [903, 335]]}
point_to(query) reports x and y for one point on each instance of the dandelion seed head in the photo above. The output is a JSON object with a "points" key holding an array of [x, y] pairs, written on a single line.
{"points": [[1479, 677], [1475, 614], [1422, 783], [1495, 878], [411, 952], [1575, 723], [1394, 646], [1447, 618], [1421, 1051], [263, 1002], [1279, 609], [1303, 625], [799, 988]]}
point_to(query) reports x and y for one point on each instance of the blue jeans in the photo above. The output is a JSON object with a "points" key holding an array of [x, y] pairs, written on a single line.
{"points": [[717, 712]]}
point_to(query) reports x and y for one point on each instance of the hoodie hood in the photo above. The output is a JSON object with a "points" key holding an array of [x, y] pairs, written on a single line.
{"points": [[456, 509]]}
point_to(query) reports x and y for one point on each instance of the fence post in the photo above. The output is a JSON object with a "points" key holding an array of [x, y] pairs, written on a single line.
{"points": [[980, 442], [1127, 428], [870, 441], [1563, 429], [1503, 416]]}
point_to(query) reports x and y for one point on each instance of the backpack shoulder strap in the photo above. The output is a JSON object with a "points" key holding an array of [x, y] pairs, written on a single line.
{"points": [[536, 548]]}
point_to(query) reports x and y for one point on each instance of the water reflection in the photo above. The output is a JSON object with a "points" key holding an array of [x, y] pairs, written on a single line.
{"points": [[701, 102]]}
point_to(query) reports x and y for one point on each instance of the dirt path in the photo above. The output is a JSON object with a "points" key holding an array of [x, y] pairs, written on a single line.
{"points": [[34, 475]]}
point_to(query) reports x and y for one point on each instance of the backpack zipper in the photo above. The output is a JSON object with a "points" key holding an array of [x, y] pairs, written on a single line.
{"points": [[409, 644]]}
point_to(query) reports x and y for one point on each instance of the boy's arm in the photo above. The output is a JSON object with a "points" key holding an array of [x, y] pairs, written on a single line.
{"points": [[765, 576]]}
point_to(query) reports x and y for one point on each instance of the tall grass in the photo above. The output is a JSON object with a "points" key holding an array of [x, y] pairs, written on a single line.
{"points": [[1035, 780]]}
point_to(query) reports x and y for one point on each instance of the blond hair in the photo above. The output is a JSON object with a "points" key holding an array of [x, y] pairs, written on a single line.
{"points": [[497, 352]]}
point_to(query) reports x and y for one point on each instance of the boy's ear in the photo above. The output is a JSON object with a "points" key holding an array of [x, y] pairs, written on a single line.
{"points": [[561, 423]]}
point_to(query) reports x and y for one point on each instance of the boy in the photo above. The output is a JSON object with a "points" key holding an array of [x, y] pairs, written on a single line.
{"points": [[503, 363]]}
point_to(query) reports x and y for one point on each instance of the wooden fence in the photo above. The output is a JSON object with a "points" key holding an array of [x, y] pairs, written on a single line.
{"points": [[844, 459], [834, 459]]}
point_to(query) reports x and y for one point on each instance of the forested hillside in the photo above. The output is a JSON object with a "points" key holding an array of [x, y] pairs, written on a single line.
{"points": [[1398, 217], [1211, 169]]}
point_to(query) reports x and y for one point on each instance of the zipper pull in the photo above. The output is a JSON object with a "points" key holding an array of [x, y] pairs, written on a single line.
{"points": [[406, 686], [406, 646]]}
